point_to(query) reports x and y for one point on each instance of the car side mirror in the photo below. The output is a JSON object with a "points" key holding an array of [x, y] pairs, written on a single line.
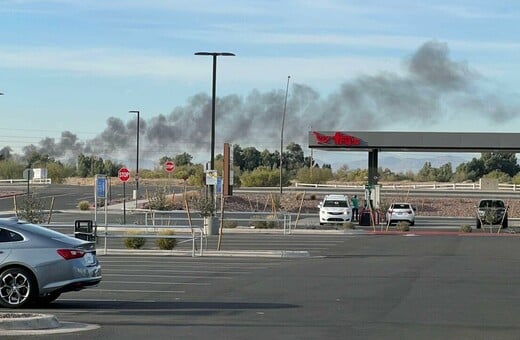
{"points": [[319, 205]]}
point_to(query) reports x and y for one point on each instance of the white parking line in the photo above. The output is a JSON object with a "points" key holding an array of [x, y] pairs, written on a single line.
{"points": [[159, 283], [139, 291], [172, 276]]}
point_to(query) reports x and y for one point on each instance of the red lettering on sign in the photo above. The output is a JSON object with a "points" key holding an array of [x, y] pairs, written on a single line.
{"points": [[338, 138], [321, 139]]}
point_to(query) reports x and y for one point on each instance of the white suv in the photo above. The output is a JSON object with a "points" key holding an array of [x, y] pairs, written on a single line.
{"points": [[335, 209]]}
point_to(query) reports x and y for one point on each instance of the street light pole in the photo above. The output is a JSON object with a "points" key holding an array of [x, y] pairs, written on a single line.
{"points": [[213, 98], [136, 158], [281, 133]]}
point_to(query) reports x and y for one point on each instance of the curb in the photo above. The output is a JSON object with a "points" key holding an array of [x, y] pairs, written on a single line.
{"points": [[27, 321]]}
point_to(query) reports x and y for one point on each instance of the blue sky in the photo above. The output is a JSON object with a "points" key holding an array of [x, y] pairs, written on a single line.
{"points": [[80, 66]]}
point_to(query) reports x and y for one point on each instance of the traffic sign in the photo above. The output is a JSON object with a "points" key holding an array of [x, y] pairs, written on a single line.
{"points": [[123, 174], [169, 166]]}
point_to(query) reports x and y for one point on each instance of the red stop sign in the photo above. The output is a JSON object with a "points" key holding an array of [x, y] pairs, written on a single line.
{"points": [[169, 166], [123, 174]]}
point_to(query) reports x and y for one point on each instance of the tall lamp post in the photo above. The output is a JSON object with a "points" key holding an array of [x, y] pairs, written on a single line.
{"points": [[281, 133], [213, 98], [136, 158]]}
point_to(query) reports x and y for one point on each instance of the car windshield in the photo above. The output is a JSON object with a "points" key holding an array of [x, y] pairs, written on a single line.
{"points": [[335, 203], [401, 206], [492, 204]]}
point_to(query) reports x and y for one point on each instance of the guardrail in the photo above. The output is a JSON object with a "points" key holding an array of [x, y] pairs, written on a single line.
{"points": [[146, 231]]}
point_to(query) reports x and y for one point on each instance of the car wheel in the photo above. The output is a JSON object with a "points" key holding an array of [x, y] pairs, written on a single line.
{"points": [[17, 287], [479, 225], [47, 298]]}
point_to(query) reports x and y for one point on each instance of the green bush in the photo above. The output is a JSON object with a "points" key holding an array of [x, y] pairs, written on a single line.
{"points": [[466, 228], [166, 243], [403, 226], [264, 222], [84, 205], [134, 242]]}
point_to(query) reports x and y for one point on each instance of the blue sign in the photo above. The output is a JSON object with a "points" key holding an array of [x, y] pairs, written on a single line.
{"points": [[219, 185], [101, 187]]}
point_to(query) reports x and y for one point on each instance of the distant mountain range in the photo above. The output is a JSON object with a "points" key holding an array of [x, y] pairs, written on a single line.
{"points": [[403, 164]]}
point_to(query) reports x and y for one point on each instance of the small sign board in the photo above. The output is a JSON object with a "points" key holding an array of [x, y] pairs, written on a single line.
{"points": [[101, 186], [211, 177]]}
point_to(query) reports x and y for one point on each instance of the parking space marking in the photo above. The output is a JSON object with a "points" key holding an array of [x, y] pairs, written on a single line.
{"points": [[172, 271], [171, 276], [139, 291], [161, 283]]}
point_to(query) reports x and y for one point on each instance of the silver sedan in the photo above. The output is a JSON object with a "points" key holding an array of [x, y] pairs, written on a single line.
{"points": [[38, 264]]}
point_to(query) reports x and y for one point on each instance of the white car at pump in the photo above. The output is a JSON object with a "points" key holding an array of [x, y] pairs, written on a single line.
{"points": [[335, 209]]}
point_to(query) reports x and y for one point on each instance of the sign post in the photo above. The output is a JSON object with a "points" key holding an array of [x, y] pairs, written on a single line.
{"points": [[124, 176]]}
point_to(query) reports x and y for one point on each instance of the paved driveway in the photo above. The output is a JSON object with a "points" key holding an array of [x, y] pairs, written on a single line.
{"points": [[370, 287]]}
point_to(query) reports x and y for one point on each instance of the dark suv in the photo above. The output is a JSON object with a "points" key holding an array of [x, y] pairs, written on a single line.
{"points": [[492, 211]]}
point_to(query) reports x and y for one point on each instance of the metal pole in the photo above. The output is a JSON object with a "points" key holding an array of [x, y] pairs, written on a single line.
{"points": [[213, 94], [281, 134], [137, 165], [137, 158], [213, 99]]}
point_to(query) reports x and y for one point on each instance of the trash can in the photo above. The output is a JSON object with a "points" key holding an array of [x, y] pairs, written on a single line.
{"points": [[364, 218], [84, 230]]}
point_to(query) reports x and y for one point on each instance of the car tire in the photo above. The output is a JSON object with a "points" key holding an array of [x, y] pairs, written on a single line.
{"points": [[17, 287], [505, 223], [479, 225]]}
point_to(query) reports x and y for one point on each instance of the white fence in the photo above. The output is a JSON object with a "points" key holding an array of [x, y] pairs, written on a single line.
{"points": [[24, 181], [414, 186]]}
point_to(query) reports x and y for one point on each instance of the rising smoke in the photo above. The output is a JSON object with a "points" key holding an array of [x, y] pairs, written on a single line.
{"points": [[418, 97]]}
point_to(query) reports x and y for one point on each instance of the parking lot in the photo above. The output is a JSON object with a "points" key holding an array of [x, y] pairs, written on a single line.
{"points": [[356, 287]]}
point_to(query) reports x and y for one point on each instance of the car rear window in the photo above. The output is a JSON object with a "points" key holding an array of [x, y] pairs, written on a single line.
{"points": [[492, 204], [335, 203], [42, 231], [401, 206]]}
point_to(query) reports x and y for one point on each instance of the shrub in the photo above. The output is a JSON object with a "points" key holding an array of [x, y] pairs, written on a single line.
{"points": [[166, 243], [159, 200], [84, 205], [348, 225], [403, 226], [466, 228], [31, 209], [134, 242], [264, 222], [230, 224]]}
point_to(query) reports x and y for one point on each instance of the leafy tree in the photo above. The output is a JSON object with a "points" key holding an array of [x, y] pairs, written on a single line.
{"points": [[183, 159], [472, 170], [251, 158], [5, 153], [505, 162], [293, 158], [444, 173]]}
